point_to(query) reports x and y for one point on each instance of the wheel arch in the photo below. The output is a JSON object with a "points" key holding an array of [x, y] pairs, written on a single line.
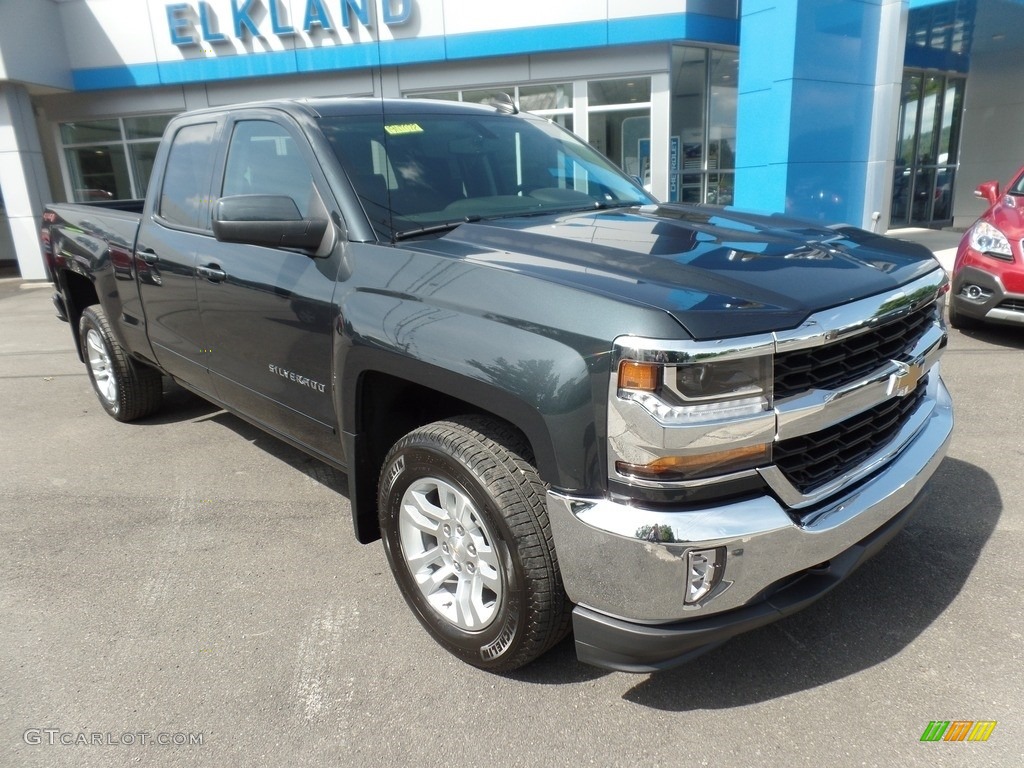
{"points": [[79, 293], [385, 404]]}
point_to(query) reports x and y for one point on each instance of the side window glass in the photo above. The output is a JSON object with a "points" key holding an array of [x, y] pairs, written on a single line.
{"points": [[263, 159], [186, 185]]}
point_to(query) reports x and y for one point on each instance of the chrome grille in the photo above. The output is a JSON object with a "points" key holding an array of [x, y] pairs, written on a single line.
{"points": [[810, 461], [843, 362]]}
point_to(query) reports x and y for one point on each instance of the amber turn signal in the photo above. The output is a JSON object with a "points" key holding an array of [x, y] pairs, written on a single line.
{"points": [[672, 468], [642, 376]]}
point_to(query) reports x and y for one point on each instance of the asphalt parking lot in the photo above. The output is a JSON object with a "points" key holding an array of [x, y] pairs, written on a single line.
{"points": [[188, 579]]}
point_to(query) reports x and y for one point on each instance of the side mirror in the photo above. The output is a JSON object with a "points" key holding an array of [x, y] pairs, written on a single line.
{"points": [[273, 221], [989, 190]]}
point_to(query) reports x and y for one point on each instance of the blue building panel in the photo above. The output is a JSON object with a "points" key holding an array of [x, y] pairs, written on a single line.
{"points": [[828, 192], [761, 126], [411, 51], [228, 67], [832, 40], [334, 57], [768, 52], [808, 76], [763, 188], [691, 27], [828, 122], [100, 78], [558, 37]]}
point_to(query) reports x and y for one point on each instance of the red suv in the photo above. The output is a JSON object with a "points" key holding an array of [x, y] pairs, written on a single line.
{"points": [[988, 274]]}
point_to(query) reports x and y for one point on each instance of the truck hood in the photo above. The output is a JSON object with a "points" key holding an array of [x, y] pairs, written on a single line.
{"points": [[718, 272]]}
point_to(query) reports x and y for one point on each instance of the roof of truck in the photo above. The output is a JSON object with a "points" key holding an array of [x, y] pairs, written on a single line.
{"points": [[335, 107], [339, 106]]}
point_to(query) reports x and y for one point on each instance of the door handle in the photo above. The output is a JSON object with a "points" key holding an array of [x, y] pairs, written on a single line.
{"points": [[148, 255], [212, 273]]}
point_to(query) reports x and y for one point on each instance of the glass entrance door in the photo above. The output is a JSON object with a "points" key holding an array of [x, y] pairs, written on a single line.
{"points": [[926, 151]]}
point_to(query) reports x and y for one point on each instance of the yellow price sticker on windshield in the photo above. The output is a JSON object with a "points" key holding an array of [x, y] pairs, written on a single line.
{"points": [[402, 128]]}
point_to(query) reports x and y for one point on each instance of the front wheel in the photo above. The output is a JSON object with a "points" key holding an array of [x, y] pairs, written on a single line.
{"points": [[127, 390], [466, 533]]}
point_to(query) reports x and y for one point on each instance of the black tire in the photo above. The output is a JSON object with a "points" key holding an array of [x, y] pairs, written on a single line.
{"points": [[126, 389], [485, 471], [961, 321]]}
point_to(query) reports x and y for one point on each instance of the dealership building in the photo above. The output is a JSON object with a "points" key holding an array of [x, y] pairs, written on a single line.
{"points": [[879, 113]]}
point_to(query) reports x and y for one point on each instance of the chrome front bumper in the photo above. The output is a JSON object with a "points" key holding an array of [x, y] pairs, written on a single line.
{"points": [[619, 577]]}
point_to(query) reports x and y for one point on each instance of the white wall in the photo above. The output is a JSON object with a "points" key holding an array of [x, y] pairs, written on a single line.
{"points": [[32, 45], [992, 139], [23, 177], [117, 32]]}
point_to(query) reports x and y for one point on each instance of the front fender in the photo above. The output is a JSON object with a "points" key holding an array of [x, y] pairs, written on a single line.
{"points": [[548, 396], [473, 337], [385, 393]]}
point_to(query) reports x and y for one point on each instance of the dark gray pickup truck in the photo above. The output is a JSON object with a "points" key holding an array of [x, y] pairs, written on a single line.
{"points": [[560, 403]]}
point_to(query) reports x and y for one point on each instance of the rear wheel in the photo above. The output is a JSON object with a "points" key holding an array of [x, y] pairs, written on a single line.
{"points": [[466, 533], [126, 389]]}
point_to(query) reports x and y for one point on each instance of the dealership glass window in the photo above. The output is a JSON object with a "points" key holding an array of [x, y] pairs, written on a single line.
{"points": [[111, 159], [927, 145], [550, 98], [618, 114], [615, 115], [723, 71], [703, 125], [945, 27], [619, 123]]}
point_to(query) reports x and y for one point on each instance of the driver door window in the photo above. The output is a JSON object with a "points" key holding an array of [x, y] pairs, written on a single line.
{"points": [[263, 159]]}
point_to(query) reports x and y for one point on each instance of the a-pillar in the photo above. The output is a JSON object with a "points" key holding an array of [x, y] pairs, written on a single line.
{"points": [[819, 95], [22, 178]]}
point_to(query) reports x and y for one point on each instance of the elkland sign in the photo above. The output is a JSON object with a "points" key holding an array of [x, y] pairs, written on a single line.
{"points": [[191, 41], [194, 24]]}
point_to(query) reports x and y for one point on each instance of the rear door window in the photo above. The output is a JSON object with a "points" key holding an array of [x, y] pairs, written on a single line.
{"points": [[185, 194]]}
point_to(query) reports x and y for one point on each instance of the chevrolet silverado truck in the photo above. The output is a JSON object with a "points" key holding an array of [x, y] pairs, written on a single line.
{"points": [[561, 404]]}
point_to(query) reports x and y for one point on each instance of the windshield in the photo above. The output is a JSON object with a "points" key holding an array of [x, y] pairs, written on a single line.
{"points": [[425, 173]]}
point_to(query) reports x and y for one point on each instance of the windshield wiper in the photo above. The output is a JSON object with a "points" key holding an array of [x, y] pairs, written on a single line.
{"points": [[597, 205], [602, 205], [445, 226], [448, 226]]}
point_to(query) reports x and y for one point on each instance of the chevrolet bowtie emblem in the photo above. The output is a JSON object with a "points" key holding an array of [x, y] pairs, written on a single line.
{"points": [[905, 380]]}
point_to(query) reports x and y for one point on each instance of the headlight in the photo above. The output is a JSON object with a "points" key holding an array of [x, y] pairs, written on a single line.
{"points": [[721, 381], [699, 391], [990, 241], [717, 404]]}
